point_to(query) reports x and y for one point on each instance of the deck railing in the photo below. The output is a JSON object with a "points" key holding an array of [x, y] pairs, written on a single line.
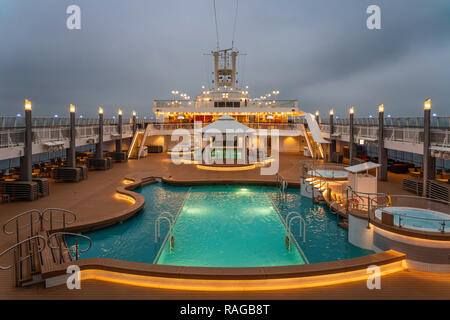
{"points": [[439, 136], [16, 137]]}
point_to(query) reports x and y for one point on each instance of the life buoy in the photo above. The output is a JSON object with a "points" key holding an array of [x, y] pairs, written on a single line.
{"points": [[355, 203]]}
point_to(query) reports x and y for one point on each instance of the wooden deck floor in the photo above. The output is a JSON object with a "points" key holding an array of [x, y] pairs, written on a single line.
{"points": [[87, 197]]}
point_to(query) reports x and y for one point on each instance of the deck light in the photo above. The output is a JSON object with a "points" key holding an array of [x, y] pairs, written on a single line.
{"points": [[119, 112], [18, 115], [331, 112], [352, 110], [72, 108], [381, 108], [27, 104], [427, 104], [134, 113], [317, 113], [100, 110]]}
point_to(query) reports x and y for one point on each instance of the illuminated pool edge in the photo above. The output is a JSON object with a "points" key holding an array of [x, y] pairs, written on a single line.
{"points": [[238, 285]]}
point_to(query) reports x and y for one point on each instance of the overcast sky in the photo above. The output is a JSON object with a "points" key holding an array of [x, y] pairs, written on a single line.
{"points": [[129, 53]]}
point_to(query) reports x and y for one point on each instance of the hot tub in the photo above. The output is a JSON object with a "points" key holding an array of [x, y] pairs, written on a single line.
{"points": [[417, 219]]}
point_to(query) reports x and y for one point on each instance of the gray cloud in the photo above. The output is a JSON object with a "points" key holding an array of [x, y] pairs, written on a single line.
{"points": [[131, 52]]}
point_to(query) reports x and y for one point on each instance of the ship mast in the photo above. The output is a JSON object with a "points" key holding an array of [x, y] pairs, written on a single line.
{"points": [[224, 74]]}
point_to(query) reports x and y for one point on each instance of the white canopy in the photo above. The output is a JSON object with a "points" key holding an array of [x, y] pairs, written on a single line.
{"points": [[225, 123], [363, 167]]}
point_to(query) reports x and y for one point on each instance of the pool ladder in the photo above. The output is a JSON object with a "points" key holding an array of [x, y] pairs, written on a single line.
{"points": [[165, 216], [281, 185], [291, 217]]}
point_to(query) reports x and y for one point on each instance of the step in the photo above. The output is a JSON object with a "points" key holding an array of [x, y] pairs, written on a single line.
{"points": [[47, 259], [66, 257]]}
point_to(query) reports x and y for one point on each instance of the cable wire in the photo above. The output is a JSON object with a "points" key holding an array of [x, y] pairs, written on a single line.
{"points": [[234, 25], [217, 27]]}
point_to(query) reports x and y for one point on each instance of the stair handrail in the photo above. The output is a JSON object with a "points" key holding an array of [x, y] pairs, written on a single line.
{"points": [[18, 244], [18, 228], [281, 185], [158, 226], [302, 226], [51, 220], [60, 246]]}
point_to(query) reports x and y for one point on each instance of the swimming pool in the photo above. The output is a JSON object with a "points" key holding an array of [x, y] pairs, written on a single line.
{"points": [[333, 174], [417, 219], [224, 226]]}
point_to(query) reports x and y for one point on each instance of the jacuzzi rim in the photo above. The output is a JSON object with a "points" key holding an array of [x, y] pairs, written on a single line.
{"points": [[310, 173], [446, 216]]}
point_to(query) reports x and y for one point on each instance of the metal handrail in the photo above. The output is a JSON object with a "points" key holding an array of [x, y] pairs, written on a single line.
{"points": [[18, 228], [281, 185], [302, 226], [60, 247], [19, 244], [168, 218], [51, 220]]}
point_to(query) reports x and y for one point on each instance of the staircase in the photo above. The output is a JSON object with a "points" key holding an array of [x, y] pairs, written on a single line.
{"points": [[136, 142], [314, 137], [42, 247]]}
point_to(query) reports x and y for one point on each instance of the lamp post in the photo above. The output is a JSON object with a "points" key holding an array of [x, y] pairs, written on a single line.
{"points": [[71, 163], [318, 117], [382, 156], [351, 138], [134, 122], [26, 160], [99, 149], [332, 141], [119, 141], [428, 160]]}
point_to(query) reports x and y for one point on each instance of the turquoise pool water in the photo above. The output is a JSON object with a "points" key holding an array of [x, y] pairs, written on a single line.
{"points": [[418, 219], [227, 226]]}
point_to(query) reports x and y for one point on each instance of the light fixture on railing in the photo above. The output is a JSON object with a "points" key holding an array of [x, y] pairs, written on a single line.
{"points": [[134, 113], [331, 112], [427, 104], [100, 110], [119, 112], [72, 108], [27, 104], [381, 108], [317, 113]]}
